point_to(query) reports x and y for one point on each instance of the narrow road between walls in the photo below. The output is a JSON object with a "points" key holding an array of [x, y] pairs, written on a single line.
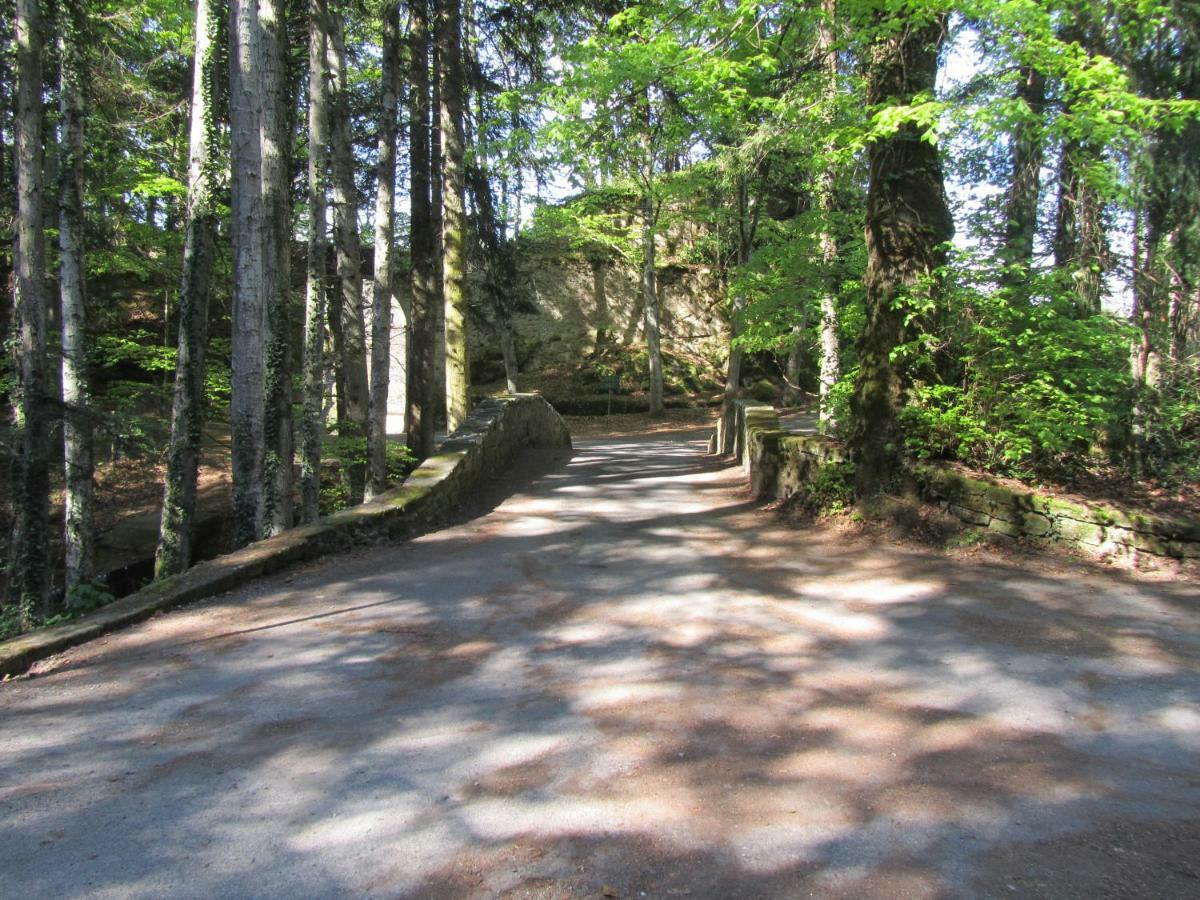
{"points": [[625, 680]]}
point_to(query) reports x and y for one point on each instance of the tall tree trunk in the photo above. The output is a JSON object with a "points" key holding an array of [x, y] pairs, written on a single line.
{"points": [[650, 296], [352, 421], [278, 448], [436, 225], [1021, 218], [381, 310], [908, 221], [77, 416], [174, 551], [451, 82], [733, 371], [312, 426], [827, 202], [28, 586], [419, 415], [248, 221]]}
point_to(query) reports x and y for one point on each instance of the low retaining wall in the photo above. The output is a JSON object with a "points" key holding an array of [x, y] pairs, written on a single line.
{"points": [[487, 441], [778, 464]]}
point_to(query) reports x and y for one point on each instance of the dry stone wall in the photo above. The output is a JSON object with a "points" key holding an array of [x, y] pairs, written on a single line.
{"points": [[779, 463]]}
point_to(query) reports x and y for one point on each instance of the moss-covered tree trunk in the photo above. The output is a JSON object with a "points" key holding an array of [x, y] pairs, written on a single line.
{"points": [[382, 298], [352, 360], [312, 426], [451, 83], [31, 475], [907, 223], [79, 460], [420, 399], [278, 439], [247, 224], [174, 552]]}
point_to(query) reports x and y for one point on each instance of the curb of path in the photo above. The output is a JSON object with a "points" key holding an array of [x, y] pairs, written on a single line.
{"points": [[488, 440]]}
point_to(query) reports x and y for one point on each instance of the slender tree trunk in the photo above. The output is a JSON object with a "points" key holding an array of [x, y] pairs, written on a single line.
{"points": [[733, 371], [381, 310], [28, 584], [353, 412], [312, 427], [650, 295], [77, 421], [199, 246], [600, 298], [1021, 219], [436, 225], [793, 372], [248, 221], [419, 415], [908, 221], [278, 448], [827, 202], [454, 221]]}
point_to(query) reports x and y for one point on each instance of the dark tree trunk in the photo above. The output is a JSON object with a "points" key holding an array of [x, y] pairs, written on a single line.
{"points": [[312, 428], [352, 355], [174, 551], [28, 584], [419, 415], [1021, 219], [908, 221]]}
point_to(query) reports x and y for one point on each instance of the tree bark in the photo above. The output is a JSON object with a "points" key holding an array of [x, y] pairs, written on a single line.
{"points": [[28, 585], [650, 296], [600, 298], [352, 419], [1021, 219], [77, 415], [278, 440], [247, 231], [174, 552], [312, 426], [454, 294], [420, 396], [908, 221], [381, 310], [733, 371], [827, 203]]}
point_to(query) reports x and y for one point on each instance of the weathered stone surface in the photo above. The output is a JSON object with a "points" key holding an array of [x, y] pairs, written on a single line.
{"points": [[488, 440]]}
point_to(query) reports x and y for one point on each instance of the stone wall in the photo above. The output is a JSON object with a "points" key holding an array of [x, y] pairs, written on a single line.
{"points": [[488, 441], [562, 329], [778, 464]]}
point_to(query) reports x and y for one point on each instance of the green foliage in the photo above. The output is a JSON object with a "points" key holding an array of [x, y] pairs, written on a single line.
{"points": [[830, 491], [1038, 390], [351, 450]]}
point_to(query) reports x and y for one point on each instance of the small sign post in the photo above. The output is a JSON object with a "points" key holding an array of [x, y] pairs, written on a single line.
{"points": [[609, 385]]}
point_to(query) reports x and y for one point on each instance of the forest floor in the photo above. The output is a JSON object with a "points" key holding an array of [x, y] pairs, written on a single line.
{"points": [[624, 679]]}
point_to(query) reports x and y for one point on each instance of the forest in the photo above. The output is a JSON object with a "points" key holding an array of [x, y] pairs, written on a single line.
{"points": [[296, 241]]}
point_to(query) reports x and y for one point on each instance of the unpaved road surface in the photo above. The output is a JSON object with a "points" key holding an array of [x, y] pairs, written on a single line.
{"points": [[625, 681]]}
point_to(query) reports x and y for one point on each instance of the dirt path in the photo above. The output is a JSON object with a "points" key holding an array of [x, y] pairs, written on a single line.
{"points": [[625, 681]]}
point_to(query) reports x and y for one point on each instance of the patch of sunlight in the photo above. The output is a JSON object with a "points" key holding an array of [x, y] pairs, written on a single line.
{"points": [[875, 591], [1183, 719], [619, 694], [515, 750], [354, 829], [513, 818], [840, 624], [849, 768]]}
